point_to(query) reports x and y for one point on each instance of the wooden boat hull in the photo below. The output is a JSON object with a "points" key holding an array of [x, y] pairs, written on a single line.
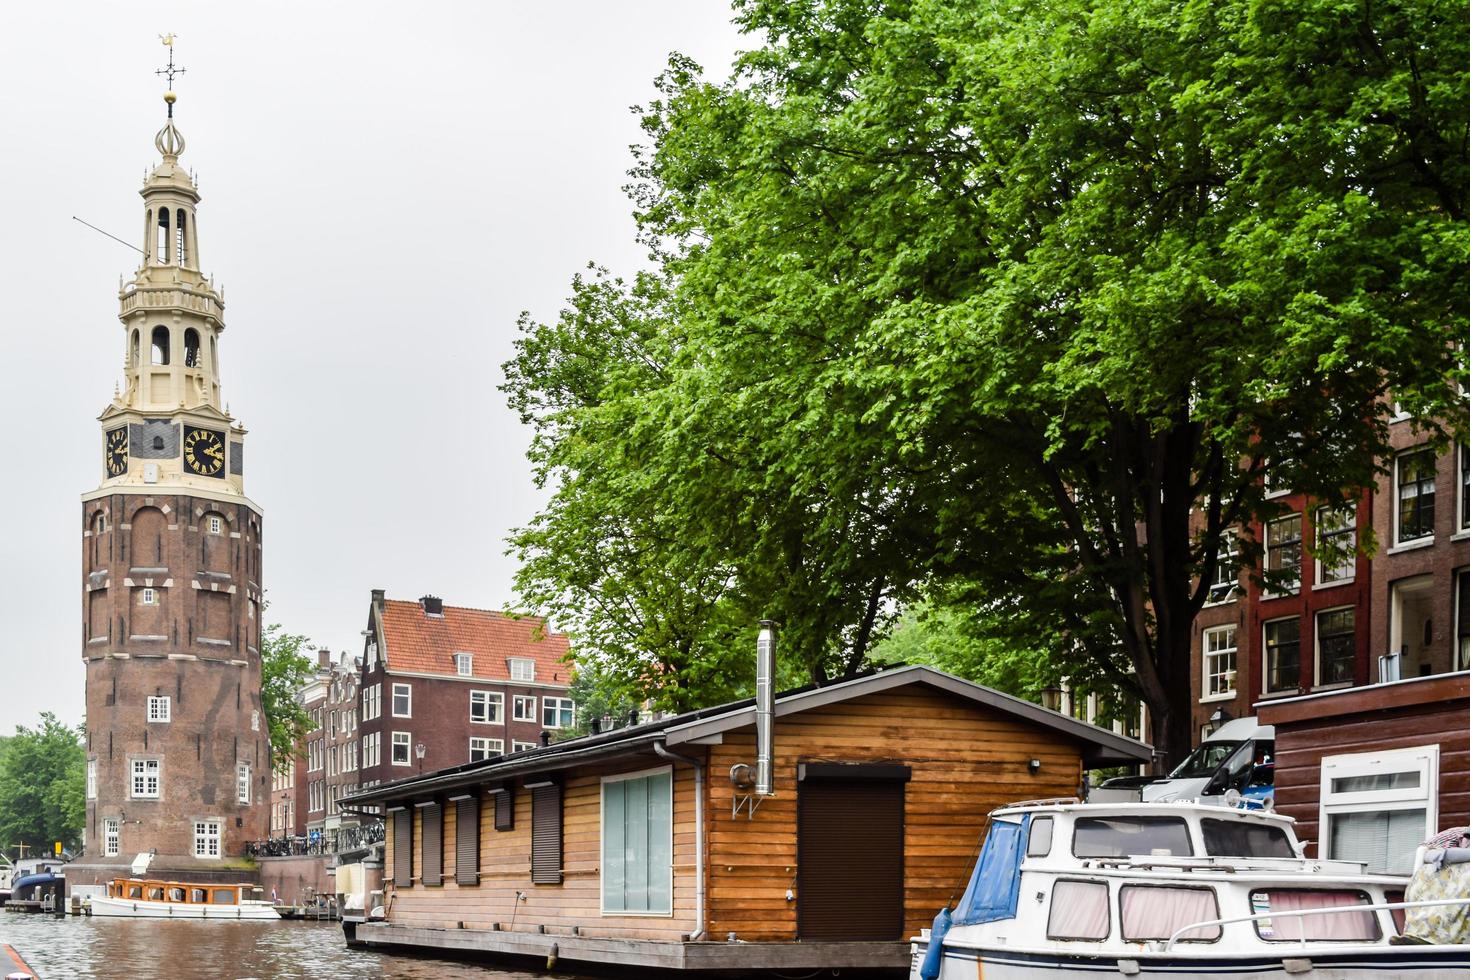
{"points": [[138, 909], [1316, 963]]}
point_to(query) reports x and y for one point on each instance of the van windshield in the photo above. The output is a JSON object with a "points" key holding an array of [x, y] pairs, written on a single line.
{"points": [[1204, 760]]}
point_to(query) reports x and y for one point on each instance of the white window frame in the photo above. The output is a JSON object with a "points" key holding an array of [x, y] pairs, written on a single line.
{"points": [[1289, 588], [1206, 655], [207, 834], [488, 747], [523, 701], [111, 836], [486, 699], [1423, 758], [160, 708], [1317, 645], [216, 524], [523, 746], [522, 669], [1397, 498], [1320, 567], [408, 694], [1228, 558], [242, 783], [149, 597], [558, 705], [464, 664], [91, 779], [602, 837], [145, 770], [407, 743]]}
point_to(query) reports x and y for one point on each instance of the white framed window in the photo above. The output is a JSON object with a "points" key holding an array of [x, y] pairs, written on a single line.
{"points": [[1219, 662], [487, 707], [91, 779], [147, 779], [522, 746], [1283, 648], [1377, 806], [148, 597], [402, 701], [1271, 481], [160, 708], [484, 748], [1336, 646], [255, 721], [372, 749], [522, 669], [206, 838], [402, 752], [464, 664], [1284, 553], [1464, 488], [372, 701], [523, 708], [1413, 475], [557, 713], [638, 843], [242, 783], [1226, 581], [1337, 544], [111, 836], [216, 524]]}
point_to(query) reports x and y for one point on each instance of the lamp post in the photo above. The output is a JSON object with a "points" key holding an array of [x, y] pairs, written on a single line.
{"points": [[1051, 698], [1219, 718], [419, 751]]}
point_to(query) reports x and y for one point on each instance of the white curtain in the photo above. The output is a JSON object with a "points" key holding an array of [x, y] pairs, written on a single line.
{"points": [[1157, 912], [1079, 910], [1339, 926]]}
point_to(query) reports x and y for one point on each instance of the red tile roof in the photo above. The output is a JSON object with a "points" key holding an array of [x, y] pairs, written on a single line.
{"points": [[422, 644]]}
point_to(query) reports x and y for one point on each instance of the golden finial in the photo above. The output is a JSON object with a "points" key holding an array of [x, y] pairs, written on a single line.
{"points": [[169, 71]]}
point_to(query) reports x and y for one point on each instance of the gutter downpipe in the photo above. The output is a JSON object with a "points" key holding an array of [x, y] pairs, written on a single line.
{"points": [[699, 901]]}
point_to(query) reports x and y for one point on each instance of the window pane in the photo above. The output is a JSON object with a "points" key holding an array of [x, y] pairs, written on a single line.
{"points": [[1384, 840], [1236, 838], [1336, 648], [1283, 654], [660, 841], [1376, 781], [1157, 912], [1125, 836], [1039, 842], [1416, 495], [614, 848], [1346, 926], [1079, 910]]}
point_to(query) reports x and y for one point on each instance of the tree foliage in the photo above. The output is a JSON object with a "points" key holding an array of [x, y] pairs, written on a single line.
{"points": [[1012, 303], [43, 787], [284, 669]]}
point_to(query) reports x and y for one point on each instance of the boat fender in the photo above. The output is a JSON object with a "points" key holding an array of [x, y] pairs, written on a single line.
{"points": [[551, 956], [934, 956]]}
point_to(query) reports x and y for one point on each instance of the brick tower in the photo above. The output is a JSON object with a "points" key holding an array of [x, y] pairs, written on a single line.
{"points": [[177, 745]]}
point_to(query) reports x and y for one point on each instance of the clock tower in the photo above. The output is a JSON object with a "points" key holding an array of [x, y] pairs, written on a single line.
{"points": [[178, 757]]}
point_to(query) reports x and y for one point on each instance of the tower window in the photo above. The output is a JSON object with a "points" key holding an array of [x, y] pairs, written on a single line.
{"points": [[158, 442], [150, 597], [160, 345], [181, 252], [162, 254], [191, 348], [216, 525], [133, 353]]}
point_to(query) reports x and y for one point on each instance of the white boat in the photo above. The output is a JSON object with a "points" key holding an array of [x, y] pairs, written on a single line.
{"points": [[1182, 890], [142, 898]]}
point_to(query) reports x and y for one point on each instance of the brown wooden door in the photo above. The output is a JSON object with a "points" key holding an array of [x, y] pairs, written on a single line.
{"points": [[850, 860]]}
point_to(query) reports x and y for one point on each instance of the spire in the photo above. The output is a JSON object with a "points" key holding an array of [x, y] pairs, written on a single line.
{"points": [[169, 141]]}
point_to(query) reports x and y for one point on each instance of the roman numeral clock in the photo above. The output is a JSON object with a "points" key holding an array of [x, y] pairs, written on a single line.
{"points": [[204, 451]]}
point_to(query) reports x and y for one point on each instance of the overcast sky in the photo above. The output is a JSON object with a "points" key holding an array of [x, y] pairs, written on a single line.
{"points": [[386, 185]]}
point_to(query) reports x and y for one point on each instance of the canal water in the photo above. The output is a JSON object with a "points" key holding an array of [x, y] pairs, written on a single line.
{"points": [[131, 949]]}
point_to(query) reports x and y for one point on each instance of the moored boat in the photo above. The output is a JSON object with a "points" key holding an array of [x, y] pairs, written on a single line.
{"points": [[144, 898], [1182, 890], [13, 966]]}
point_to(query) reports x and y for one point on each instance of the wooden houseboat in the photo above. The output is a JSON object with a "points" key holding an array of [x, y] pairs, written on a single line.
{"points": [[143, 898], [651, 846]]}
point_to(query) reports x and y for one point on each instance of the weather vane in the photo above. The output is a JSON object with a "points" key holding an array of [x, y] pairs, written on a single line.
{"points": [[169, 71]]}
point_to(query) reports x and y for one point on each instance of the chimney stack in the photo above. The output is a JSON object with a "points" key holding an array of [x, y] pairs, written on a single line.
{"points": [[545, 737], [433, 605], [765, 708], [323, 657]]}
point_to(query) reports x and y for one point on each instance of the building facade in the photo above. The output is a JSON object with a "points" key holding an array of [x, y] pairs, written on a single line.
{"points": [[446, 685], [177, 747], [331, 748]]}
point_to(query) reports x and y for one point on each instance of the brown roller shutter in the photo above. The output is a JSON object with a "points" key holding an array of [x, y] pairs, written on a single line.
{"points": [[546, 835], [467, 841], [403, 848], [850, 860], [505, 809], [433, 840]]}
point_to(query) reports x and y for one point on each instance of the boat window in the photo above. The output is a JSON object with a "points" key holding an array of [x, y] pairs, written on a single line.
{"points": [[1130, 836], [135, 891], [155, 894], [198, 895], [1204, 760], [1079, 910], [1038, 844], [175, 894], [1393, 896], [1157, 912], [1347, 926], [224, 896], [1244, 838]]}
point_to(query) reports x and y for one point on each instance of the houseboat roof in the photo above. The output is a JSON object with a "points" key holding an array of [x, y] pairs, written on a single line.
{"points": [[1100, 747]]}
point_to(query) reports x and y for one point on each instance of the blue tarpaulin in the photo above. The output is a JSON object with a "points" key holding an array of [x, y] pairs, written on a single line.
{"points": [[996, 883]]}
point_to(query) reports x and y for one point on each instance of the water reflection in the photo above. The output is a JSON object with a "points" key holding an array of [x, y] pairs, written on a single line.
{"points": [[109, 949]]}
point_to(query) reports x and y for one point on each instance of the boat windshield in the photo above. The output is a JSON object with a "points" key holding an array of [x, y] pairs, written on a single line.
{"points": [[1244, 838], [1204, 760], [1130, 836]]}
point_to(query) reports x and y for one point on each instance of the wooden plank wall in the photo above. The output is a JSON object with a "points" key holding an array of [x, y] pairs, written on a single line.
{"points": [[505, 868], [966, 761]]}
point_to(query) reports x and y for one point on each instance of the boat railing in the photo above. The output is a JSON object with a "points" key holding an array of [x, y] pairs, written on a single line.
{"points": [[1297, 913], [1049, 801]]}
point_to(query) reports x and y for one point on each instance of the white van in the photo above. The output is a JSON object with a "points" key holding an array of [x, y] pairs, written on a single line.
{"points": [[1240, 755]]}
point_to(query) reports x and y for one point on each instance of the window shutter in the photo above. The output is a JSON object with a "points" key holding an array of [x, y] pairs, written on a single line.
{"points": [[433, 838], [505, 809], [467, 842], [403, 848], [546, 835]]}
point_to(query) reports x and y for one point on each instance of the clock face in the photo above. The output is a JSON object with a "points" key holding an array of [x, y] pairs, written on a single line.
{"points": [[204, 452], [115, 456]]}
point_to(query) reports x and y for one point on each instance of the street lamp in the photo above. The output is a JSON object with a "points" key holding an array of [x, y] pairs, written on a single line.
{"points": [[1051, 698], [419, 751], [1219, 718]]}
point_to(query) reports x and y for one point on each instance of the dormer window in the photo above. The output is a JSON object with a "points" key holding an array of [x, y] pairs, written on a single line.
{"points": [[463, 664], [522, 669]]}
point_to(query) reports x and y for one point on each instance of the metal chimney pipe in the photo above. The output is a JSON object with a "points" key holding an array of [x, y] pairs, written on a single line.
{"points": [[765, 708]]}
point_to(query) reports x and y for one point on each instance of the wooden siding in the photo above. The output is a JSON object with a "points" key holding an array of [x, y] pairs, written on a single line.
{"points": [[966, 761], [505, 868]]}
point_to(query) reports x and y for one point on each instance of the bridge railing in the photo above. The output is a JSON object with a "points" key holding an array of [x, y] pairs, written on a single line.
{"points": [[319, 842]]}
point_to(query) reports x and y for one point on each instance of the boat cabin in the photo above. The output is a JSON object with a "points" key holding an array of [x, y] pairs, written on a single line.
{"points": [[173, 891]]}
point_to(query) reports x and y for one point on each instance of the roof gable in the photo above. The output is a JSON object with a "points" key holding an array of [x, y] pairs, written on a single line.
{"points": [[418, 643]]}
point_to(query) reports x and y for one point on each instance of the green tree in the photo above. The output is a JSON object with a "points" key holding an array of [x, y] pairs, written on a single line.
{"points": [[284, 669], [43, 787], [1013, 303]]}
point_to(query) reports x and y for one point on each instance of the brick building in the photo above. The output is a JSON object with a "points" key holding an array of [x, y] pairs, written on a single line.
{"points": [[329, 769], [446, 685], [177, 750]]}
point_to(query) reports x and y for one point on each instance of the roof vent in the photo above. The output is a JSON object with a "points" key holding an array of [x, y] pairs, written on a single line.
{"points": [[433, 605], [545, 737]]}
